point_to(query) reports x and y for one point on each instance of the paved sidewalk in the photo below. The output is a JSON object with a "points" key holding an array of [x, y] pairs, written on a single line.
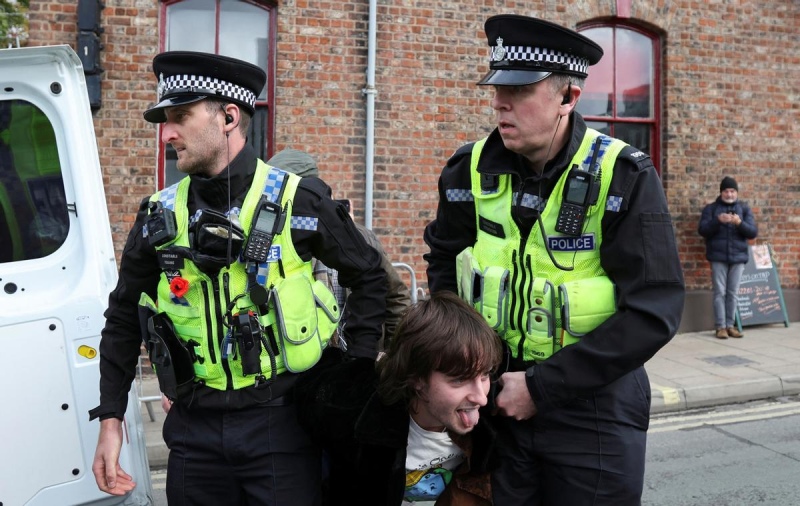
{"points": [[697, 369], [693, 370]]}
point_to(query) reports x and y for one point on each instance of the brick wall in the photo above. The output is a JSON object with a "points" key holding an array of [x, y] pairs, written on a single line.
{"points": [[731, 104]]}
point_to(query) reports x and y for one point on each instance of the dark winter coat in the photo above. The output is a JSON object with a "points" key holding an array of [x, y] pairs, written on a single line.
{"points": [[366, 440], [726, 242]]}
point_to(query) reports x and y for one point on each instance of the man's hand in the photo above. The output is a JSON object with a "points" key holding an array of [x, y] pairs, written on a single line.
{"points": [[108, 474], [514, 399], [166, 403], [732, 218]]}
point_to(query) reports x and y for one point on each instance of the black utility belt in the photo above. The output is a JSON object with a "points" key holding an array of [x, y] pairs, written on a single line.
{"points": [[279, 393]]}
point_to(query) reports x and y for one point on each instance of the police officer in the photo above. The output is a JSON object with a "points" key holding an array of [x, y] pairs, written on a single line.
{"points": [[560, 236], [218, 270]]}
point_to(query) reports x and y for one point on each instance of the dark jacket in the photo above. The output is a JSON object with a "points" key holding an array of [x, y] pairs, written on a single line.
{"points": [[366, 440], [398, 296], [638, 252], [725, 242]]}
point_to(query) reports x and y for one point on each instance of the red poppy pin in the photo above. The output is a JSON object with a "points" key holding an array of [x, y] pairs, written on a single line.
{"points": [[179, 286]]}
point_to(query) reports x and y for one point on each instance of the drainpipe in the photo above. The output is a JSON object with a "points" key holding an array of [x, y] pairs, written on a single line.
{"points": [[370, 92]]}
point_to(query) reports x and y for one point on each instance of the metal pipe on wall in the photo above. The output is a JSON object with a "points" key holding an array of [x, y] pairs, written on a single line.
{"points": [[370, 92]]}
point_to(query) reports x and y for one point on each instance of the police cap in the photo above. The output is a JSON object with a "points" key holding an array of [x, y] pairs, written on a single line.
{"points": [[186, 76], [525, 50]]}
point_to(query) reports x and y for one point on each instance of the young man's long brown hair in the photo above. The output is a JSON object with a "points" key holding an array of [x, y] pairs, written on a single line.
{"points": [[441, 334]]}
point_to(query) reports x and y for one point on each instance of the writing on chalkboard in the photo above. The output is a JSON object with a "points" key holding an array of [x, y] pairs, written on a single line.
{"points": [[755, 295], [760, 299]]}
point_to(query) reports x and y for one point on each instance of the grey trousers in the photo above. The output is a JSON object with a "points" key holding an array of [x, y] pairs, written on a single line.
{"points": [[725, 278]]}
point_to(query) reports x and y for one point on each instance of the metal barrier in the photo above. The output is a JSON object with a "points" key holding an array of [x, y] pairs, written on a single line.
{"points": [[416, 293], [145, 399]]}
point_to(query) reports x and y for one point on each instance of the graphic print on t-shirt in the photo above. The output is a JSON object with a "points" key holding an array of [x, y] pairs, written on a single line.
{"points": [[431, 459], [427, 484]]}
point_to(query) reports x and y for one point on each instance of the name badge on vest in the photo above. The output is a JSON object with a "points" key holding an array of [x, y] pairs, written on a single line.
{"points": [[566, 243], [491, 227], [169, 261], [274, 253]]}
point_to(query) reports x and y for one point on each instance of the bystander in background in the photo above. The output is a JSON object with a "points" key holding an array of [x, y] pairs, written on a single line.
{"points": [[727, 224]]}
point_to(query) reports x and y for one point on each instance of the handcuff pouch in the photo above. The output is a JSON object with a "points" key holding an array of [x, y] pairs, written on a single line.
{"points": [[540, 328], [172, 360], [494, 297], [469, 276]]}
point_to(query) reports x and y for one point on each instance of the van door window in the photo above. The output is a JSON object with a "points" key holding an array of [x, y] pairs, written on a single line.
{"points": [[33, 206]]}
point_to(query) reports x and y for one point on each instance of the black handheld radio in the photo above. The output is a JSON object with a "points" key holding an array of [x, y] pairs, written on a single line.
{"points": [[580, 192], [268, 222]]}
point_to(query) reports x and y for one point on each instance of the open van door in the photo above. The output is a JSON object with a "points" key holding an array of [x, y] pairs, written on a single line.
{"points": [[57, 268]]}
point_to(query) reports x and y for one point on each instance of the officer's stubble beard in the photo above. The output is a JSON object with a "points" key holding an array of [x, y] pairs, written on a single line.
{"points": [[208, 156]]}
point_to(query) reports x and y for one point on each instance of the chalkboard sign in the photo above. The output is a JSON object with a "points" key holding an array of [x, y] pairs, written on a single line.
{"points": [[760, 299]]}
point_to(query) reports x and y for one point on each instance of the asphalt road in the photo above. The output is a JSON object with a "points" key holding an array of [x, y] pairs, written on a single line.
{"points": [[732, 455]]}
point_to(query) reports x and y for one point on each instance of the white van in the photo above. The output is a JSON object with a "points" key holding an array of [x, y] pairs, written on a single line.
{"points": [[57, 267]]}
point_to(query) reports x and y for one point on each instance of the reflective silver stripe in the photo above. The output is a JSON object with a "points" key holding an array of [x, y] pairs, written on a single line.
{"points": [[459, 195], [304, 223]]}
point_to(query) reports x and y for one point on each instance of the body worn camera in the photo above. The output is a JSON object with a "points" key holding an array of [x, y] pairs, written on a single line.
{"points": [[580, 193], [247, 331], [268, 222], [161, 224]]}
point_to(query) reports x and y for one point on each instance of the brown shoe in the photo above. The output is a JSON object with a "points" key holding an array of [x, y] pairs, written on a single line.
{"points": [[733, 332], [722, 334]]}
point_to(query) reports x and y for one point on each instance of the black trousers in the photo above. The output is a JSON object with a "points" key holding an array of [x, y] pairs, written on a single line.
{"points": [[588, 453], [252, 457]]}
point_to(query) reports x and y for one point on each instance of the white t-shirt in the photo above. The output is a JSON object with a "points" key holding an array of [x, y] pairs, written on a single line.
{"points": [[431, 458]]}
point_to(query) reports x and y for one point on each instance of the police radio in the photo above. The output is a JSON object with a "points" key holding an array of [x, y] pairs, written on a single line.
{"points": [[161, 225], [268, 222], [580, 193]]}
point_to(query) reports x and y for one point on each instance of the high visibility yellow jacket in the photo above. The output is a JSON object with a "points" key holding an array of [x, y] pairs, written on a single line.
{"points": [[534, 305]]}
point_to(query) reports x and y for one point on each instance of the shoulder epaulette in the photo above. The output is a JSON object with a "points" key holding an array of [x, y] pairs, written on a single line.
{"points": [[314, 185], [460, 153], [641, 159]]}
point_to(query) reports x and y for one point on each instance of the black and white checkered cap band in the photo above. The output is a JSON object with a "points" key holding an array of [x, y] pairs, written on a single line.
{"points": [[547, 57], [206, 85]]}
